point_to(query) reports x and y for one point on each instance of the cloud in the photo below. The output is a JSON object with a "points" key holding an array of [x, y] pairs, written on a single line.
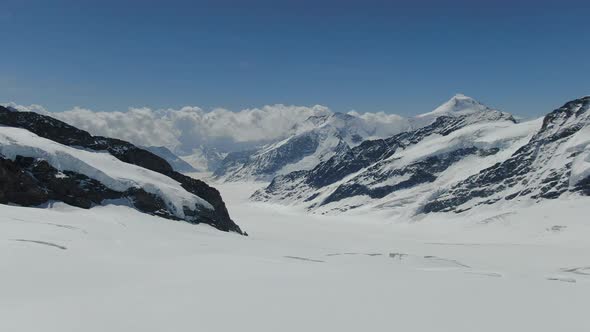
{"points": [[187, 129], [30, 108], [383, 124]]}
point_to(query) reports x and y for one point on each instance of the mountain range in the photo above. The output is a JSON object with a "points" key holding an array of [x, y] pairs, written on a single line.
{"points": [[466, 156], [455, 158]]}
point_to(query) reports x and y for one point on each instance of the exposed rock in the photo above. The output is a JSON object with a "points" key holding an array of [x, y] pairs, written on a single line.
{"points": [[30, 182], [365, 169], [307, 144], [538, 170], [63, 133]]}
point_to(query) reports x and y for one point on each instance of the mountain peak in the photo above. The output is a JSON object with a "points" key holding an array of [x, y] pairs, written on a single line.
{"points": [[459, 104]]}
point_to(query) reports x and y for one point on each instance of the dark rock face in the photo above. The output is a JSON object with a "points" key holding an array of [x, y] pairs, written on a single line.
{"points": [[370, 152], [292, 151], [63, 133], [19, 187], [30, 182], [537, 170], [584, 186], [414, 174], [265, 163], [219, 218], [318, 136]]}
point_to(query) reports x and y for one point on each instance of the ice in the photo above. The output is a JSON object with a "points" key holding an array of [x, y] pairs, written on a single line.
{"points": [[127, 271]]}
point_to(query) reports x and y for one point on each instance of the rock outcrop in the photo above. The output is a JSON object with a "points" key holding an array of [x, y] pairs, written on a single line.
{"points": [[58, 131]]}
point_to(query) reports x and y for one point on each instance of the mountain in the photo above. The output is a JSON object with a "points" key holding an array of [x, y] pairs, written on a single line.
{"points": [[204, 159], [43, 159], [307, 144], [467, 153], [555, 161], [458, 105], [177, 163]]}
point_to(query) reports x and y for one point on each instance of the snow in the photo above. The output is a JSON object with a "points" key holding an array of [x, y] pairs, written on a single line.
{"points": [[580, 168], [331, 132], [404, 203], [457, 105], [513, 268], [484, 136], [580, 143], [100, 166], [197, 160], [203, 159], [327, 147]]}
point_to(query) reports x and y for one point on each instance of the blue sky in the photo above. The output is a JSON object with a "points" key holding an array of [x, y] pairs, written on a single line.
{"points": [[405, 57]]}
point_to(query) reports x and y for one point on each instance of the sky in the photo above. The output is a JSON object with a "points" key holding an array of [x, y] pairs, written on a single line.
{"points": [[403, 57]]}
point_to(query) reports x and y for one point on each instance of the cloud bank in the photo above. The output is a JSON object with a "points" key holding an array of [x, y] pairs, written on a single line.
{"points": [[190, 128]]}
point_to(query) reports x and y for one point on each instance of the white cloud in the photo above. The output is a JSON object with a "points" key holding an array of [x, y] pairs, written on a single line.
{"points": [[383, 124], [183, 130]]}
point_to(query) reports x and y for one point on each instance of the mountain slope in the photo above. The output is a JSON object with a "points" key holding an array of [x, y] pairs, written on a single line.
{"points": [[203, 159], [372, 172], [460, 160], [458, 105], [556, 160], [116, 164], [309, 143], [177, 163]]}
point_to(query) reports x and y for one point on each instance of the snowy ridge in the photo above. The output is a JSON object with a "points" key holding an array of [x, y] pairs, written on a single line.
{"points": [[102, 167], [551, 164], [456, 163], [309, 143], [457, 106], [399, 171]]}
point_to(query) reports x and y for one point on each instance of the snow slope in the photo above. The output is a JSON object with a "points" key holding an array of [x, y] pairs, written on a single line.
{"points": [[103, 167], [400, 172], [114, 269], [473, 157], [456, 106], [307, 144], [549, 165]]}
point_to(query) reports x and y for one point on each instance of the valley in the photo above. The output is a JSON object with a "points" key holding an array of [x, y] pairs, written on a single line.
{"points": [[519, 269]]}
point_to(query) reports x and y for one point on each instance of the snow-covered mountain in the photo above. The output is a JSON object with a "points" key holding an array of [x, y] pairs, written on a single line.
{"points": [[554, 162], [470, 154], [322, 136], [307, 144], [459, 105], [204, 159], [43, 159]]}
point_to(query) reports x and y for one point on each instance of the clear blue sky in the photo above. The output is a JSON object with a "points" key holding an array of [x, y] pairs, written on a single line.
{"points": [[404, 57]]}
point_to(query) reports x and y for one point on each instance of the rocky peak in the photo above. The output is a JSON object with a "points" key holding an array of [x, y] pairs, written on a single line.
{"points": [[567, 119]]}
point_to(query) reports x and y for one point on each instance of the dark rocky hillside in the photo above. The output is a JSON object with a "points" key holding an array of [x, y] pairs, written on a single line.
{"points": [[33, 184]]}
